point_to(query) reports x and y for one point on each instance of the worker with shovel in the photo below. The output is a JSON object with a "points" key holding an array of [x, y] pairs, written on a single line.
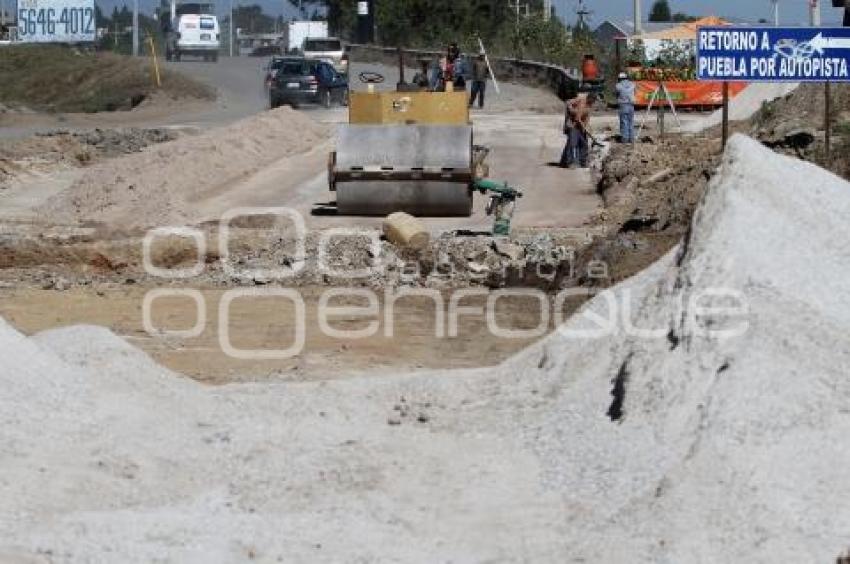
{"points": [[576, 122]]}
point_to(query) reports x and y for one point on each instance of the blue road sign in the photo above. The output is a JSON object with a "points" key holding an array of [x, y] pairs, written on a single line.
{"points": [[773, 54]]}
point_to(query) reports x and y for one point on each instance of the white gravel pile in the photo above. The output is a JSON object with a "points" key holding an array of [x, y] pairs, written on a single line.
{"points": [[744, 105], [725, 450]]}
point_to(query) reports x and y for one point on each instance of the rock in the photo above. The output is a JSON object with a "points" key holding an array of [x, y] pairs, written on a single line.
{"points": [[61, 284], [510, 250], [404, 230], [394, 420], [478, 268]]}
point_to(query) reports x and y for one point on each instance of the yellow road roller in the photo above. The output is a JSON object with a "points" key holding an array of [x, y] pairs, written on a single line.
{"points": [[405, 151]]}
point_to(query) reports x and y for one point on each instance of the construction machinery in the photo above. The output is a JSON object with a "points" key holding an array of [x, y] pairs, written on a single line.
{"points": [[409, 151], [502, 204]]}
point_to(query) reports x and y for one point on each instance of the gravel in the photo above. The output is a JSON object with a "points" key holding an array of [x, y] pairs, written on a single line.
{"points": [[678, 447]]}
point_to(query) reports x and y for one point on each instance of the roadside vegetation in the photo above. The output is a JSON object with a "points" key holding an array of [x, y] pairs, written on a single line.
{"points": [[62, 79]]}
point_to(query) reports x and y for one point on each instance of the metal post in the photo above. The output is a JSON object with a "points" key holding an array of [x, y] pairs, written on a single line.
{"points": [[775, 12], [827, 123], [725, 113], [135, 28], [230, 29], [814, 13], [638, 18]]}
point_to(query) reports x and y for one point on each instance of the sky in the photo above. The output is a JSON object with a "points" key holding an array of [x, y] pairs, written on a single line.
{"points": [[791, 12]]}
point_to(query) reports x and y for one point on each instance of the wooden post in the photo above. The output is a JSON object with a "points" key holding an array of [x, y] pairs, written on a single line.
{"points": [[827, 122], [661, 109], [725, 114]]}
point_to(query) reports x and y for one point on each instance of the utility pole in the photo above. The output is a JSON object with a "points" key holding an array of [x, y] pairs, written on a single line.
{"points": [[814, 13], [638, 18], [135, 28], [547, 10]]}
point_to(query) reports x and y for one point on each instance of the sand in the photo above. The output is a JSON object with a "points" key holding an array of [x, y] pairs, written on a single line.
{"points": [[160, 185], [680, 447]]}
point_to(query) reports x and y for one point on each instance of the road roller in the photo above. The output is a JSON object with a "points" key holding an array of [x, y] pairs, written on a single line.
{"points": [[409, 151]]}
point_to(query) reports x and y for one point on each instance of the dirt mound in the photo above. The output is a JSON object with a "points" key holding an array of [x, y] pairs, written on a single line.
{"points": [[160, 185], [64, 79], [663, 441], [794, 125]]}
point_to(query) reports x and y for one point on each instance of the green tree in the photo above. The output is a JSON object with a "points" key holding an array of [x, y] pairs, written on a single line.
{"points": [[660, 12], [683, 17]]}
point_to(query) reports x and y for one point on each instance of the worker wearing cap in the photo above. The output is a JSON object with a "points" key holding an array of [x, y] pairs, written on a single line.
{"points": [[626, 100]]}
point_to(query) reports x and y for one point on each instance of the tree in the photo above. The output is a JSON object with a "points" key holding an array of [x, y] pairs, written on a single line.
{"points": [[660, 12], [683, 17]]}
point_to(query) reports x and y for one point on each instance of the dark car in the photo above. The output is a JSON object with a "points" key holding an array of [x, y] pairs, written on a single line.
{"points": [[275, 64], [307, 81]]}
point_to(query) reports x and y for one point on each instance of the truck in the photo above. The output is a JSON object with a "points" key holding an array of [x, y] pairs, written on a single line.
{"points": [[296, 32]]}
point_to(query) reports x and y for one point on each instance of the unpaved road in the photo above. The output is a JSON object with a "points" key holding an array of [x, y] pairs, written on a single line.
{"points": [[408, 342], [522, 143]]}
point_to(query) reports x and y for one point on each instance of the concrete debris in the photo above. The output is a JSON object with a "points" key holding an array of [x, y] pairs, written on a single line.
{"points": [[508, 250]]}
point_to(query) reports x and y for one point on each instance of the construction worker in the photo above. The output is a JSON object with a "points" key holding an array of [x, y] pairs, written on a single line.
{"points": [[452, 53], [479, 81], [576, 123], [421, 79], [626, 101]]}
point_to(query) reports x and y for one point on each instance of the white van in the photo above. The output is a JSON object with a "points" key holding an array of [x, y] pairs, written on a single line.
{"points": [[194, 34], [327, 49]]}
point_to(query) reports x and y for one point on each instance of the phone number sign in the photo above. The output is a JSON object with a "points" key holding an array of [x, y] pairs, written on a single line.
{"points": [[56, 21], [761, 54]]}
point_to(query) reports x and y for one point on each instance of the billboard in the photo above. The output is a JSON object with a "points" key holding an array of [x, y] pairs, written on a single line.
{"points": [[811, 54], [56, 21]]}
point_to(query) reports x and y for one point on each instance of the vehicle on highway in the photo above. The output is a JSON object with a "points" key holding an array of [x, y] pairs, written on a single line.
{"points": [[194, 35], [275, 64], [295, 32], [308, 81], [328, 49]]}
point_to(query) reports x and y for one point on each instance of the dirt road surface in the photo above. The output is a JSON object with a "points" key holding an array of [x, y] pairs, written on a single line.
{"points": [[522, 127]]}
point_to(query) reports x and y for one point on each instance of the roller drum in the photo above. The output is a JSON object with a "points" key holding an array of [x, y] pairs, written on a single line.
{"points": [[424, 170]]}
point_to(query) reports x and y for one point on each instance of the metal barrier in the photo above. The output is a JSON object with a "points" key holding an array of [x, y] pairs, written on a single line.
{"points": [[563, 82]]}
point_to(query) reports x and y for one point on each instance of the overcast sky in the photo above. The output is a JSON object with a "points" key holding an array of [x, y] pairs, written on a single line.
{"points": [[791, 12]]}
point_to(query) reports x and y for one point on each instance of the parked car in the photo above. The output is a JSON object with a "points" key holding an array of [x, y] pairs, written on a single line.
{"points": [[306, 81], [328, 49]]}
